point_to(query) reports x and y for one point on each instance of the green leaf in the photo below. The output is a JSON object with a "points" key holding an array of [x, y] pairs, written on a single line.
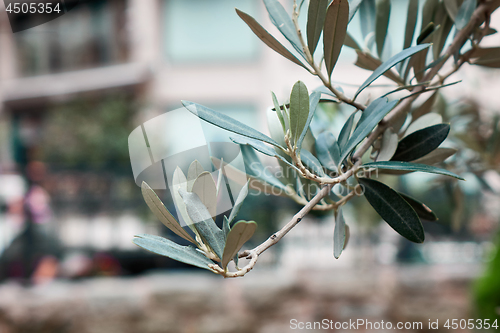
{"points": [[353, 8], [261, 147], [345, 133], [452, 7], [195, 169], [313, 104], [312, 162], [279, 113], [465, 13], [393, 209], [411, 22], [337, 18], [239, 201], [299, 110], [210, 233], [206, 189], [378, 112], [406, 166], [254, 168], [421, 143], [328, 151], [367, 14], [162, 246], [428, 12], [315, 22], [391, 63], [179, 181], [382, 23], [368, 62], [267, 38], [338, 234], [226, 228], [440, 37], [241, 232], [227, 123], [281, 20], [437, 156], [422, 210], [161, 212], [350, 42]]}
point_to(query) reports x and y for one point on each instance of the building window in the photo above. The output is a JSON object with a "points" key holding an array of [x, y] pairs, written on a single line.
{"points": [[208, 31], [86, 37]]}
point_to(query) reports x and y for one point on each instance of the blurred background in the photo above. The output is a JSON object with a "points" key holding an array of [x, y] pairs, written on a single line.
{"points": [[73, 89]]}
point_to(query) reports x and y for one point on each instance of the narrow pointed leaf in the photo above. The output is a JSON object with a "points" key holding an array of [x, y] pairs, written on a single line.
{"points": [[339, 234], [437, 156], [367, 14], [209, 232], [239, 201], [353, 8], [299, 110], [393, 209], [351, 42], [328, 151], [313, 104], [421, 143], [452, 8], [382, 23], [411, 22], [367, 61], [465, 13], [422, 210], [267, 38], [162, 246], [315, 22], [281, 20], [205, 188], [345, 133], [312, 162], [363, 129], [391, 63], [179, 181], [262, 148], [254, 168], [279, 113], [440, 37], [428, 12], [161, 212], [195, 169], [486, 57], [407, 166], [337, 18], [427, 120], [240, 233], [226, 122], [225, 227]]}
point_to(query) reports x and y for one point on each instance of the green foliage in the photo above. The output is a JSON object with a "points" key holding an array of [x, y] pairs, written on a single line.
{"points": [[390, 135]]}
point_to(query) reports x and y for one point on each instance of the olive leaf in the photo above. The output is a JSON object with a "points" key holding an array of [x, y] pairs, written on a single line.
{"points": [[421, 143], [393, 209], [383, 8], [239, 201], [422, 210], [339, 234], [366, 61], [161, 212], [206, 189], [312, 162], [227, 123], [334, 32], [486, 57], [411, 22], [179, 181], [313, 104], [328, 151], [345, 132], [210, 233], [427, 120], [162, 246], [389, 145], [299, 110], [315, 21], [267, 38], [281, 20], [279, 113], [393, 61], [436, 156], [240, 233], [406, 166], [378, 111], [465, 13], [195, 169], [367, 14]]}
